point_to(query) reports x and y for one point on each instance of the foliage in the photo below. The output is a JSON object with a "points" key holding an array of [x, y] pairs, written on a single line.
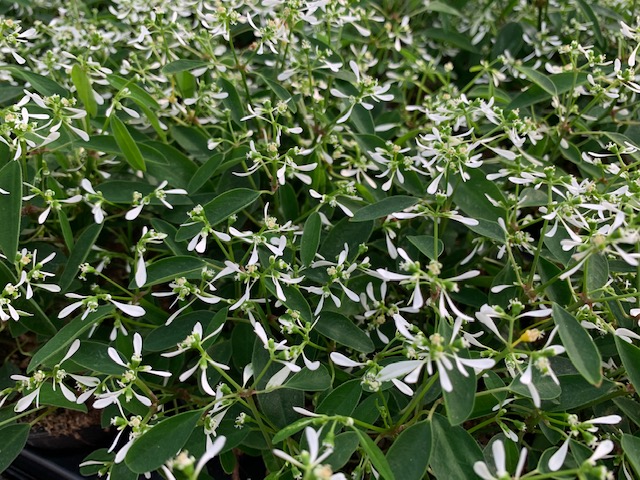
{"points": [[396, 239]]}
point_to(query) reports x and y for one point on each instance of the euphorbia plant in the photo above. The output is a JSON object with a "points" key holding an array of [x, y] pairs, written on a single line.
{"points": [[393, 239]]}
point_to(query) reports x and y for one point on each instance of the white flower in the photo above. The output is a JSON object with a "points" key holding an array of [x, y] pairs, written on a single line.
{"points": [[160, 193], [499, 458], [311, 461], [90, 303]]}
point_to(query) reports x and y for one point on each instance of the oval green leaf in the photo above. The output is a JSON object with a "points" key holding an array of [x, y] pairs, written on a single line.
{"points": [[342, 400], [409, 455], [427, 245], [339, 328], [66, 335], [384, 207], [81, 249], [183, 65], [14, 438], [10, 208], [83, 88], [579, 345], [631, 449], [43, 85], [310, 239], [310, 380], [375, 455], [162, 442], [630, 356], [456, 449], [460, 400], [127, 144]]}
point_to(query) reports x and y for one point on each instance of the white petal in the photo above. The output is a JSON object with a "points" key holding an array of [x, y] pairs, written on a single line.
{"points": [[131, 310], [141, 272], [343, 361], [72, 349], [398, 369], [557, 459]]}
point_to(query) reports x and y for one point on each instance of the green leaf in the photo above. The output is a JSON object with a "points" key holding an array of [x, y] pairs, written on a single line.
{"points": [[630, 408], [630, 356], [544, 384], [597, 275], [353, 234], [10, 209], [295, 300], [409, 455], [509, 38], [451, 37], [79, 254], [455, 451], [344, 446], [94, 356], [596, 29], [342, 400], [337, 327], [43, 85], [232, 102], [55, 398], [555, 247], [83, 88], [426, 244], [178, 172], [222, 207], [8, 93], [310, 238], [169, 268], [563, 82], [165, 227], [122, 191], [579, 345], [559, 291], [436, 6], [291, 429], [278, 405], [578, 393], [280, 92], [192, 140], [205, 172], [539, 79], [631, 449], [183, 65], [460, 400], [530, 197], [489, 229], [375, 455], [471, 197], [186, 83], [66, 335], [310, 380], [384, 207], [137, 93], [65, 226], [127, 144], [162, 442], [362, 119], [14, 438]]}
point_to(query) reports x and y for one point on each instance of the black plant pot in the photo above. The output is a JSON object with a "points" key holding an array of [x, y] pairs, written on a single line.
{"points": [[41, 464]]}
